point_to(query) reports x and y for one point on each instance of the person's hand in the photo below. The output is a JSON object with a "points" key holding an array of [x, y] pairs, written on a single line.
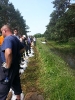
{"points": [[4, 65]]}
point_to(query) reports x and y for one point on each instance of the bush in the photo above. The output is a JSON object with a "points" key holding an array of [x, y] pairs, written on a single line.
{"points": [[72, 40]]}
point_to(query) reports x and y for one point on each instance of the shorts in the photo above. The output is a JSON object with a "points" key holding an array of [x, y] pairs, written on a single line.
{"points": [[14, 83], [4, 89], [16, 86]]}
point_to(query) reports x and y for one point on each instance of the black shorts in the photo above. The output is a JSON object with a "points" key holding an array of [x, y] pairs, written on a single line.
{"points": [[14, 83], [4, 89], [16, 86]]}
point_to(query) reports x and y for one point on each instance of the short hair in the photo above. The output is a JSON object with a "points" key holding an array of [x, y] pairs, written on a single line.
{"points": [[15, 29], [7, 26]]}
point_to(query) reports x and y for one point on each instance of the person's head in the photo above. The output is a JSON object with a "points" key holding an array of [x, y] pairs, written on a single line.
{"points": [[15, 31], [6, 30], [23, 36]]}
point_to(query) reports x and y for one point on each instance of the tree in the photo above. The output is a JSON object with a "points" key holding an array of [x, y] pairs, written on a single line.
{"points": [[8, 14], [61, 25], [38, 35]]}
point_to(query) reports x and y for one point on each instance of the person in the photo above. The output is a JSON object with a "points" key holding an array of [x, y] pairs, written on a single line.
{"points": [[16, 32], [34, 40], [20, 39], [9, 64], [1, 41], [25, 44], [31, 38], [29, 44], [23, 53]]}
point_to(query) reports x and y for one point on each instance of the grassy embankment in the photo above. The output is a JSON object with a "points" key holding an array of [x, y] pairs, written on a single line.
{"points": [[55, 77], [49, 74], [64, 48]]}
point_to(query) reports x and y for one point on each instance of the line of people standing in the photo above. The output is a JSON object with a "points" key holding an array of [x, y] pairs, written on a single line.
{"points": [[27, 41], [12, 47]]}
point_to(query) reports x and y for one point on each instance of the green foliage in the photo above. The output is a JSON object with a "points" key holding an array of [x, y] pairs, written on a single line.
{"points": [[0, 8], [38, 35], [8, 14], [56, 78], [72, 40], [62, 22]]}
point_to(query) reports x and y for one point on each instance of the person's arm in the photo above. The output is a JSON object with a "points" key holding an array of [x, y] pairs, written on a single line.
{"points": [[8, 57]]}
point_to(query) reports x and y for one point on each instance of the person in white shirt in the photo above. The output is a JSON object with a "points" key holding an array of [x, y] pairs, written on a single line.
{"points": [[34, 40]]}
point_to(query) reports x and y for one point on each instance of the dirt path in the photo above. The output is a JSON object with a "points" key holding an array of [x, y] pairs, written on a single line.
{"points": [[29, 79]]}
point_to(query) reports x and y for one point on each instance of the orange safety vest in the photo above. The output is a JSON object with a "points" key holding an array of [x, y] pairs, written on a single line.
{"points": [[1, 40]]}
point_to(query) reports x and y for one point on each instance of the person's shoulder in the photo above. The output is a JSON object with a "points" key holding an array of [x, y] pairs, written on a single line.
{"points": [[11, 38], [7, 37], [16, 37]]}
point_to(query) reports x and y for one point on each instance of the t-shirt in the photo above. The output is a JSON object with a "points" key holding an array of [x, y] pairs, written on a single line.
{"points": [[29, 41], [24, 42], [13, 43], [34, 39], [1, 40], [16, 36]]}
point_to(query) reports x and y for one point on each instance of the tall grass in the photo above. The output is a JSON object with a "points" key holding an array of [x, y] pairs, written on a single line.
{"points": [[66, 48], [55, 77]]}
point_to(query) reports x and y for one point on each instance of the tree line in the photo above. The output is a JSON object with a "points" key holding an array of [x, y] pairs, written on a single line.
{"points": [[62, 21], [38, 35], [12, 16]]}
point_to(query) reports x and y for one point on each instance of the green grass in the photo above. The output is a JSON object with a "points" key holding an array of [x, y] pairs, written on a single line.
{"points": [[55, 77], [66, 48]]}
